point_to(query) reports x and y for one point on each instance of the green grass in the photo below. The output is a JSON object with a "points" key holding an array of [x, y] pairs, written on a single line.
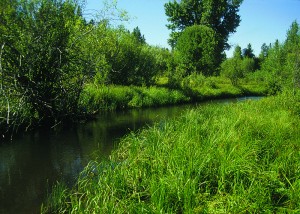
{"points": [[193, 88], [95, 97], [235, 158], [220, 87]]}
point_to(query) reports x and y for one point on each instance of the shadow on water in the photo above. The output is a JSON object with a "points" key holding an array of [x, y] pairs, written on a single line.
{"points": [[33, 162]]}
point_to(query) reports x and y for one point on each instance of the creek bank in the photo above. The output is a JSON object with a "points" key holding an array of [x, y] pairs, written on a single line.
{"points": [[95, 99]]}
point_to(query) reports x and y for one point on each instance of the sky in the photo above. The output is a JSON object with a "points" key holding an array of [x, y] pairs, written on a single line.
{"points": [[263, 21]]}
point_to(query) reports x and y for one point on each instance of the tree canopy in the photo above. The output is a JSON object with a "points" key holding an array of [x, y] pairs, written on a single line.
{"points": [[248, 52], [138, 35], [196, 49], [220, 15]]}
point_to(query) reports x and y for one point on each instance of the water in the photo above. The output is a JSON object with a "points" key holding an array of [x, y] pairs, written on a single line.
{"points": [[34, 162]]}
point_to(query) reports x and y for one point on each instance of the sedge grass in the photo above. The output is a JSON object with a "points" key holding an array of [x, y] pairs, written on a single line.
{"points": [[236, 158]]}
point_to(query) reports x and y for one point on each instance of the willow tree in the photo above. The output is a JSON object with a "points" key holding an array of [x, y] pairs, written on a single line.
{"points": [[40, 56]]}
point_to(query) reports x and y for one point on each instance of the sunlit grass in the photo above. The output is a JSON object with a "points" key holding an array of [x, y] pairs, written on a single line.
{"points": [[235, 158], [193, 88], [220, 87], [111, 97], [95, 98]]}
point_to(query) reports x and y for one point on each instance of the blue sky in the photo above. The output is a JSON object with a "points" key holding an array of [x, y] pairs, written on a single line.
{"points": [[263, 21]]}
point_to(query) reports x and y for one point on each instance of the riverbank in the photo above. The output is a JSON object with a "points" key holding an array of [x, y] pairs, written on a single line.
{"points": [[96, 98], [232, 158]]}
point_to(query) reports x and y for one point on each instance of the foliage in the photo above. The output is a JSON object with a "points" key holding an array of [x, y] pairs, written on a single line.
{"points": [[248, 65], [216, 159], [48, 52], [133, 62], [248, 52], [197, 50], [232, 68], [240, 65], [264, 51], [40, 57], [221, 15], [282, 62], [138, 35], [292, 51]]}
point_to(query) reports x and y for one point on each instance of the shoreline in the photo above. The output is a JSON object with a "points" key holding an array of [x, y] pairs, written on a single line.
{"points": [[95, 99]]}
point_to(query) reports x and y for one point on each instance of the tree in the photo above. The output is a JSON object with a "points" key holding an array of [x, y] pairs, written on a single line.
{"points": [[281, 62], [134, 63], [292, 52], [250, 62], [220, 15], [42, 56], [138, 35], [248, 65], [237, 53], [248, 52], [197, 50], [232, 68], [264, 51], [273, 65], [292, 37]]}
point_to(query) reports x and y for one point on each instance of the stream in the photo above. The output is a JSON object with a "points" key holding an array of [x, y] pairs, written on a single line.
{"points": [[33, 162]]}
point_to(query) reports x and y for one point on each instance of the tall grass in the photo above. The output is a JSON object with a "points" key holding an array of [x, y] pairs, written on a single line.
{"points": [[201, 87], [96, 97], [193, 88], [235, 158]]}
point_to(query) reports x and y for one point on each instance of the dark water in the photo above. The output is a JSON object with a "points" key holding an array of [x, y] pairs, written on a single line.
{"points": [[34, 162]]}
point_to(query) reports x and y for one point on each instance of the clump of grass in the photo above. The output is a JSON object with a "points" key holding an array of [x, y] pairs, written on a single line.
{"points": [[57, 199], [237, 158]]}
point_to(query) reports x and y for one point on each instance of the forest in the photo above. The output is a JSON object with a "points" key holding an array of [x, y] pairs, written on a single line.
{"points": [[57, 67]]}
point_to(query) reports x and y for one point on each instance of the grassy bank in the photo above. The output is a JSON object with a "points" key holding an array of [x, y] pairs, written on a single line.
{"points": [[236, 158], [95, 98], [200, 88], [194, 88]]}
